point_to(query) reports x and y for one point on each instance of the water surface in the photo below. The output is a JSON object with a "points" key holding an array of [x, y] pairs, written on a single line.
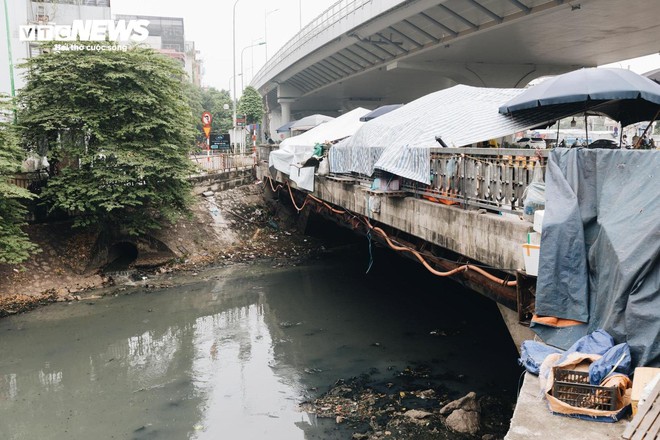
{"points": [[231, 352]]}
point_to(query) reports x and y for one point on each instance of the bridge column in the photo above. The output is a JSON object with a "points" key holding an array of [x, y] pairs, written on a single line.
{"points": [[286, 110], [286, 94]]}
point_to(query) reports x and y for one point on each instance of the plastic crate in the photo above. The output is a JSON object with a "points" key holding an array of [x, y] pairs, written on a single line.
{"points": [[573, 387]]}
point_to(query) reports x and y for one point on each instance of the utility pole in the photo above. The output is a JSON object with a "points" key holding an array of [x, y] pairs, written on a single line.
{"points": [[233, 44], [9, 53]]}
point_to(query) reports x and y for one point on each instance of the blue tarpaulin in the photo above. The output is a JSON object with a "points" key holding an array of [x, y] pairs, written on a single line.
{"points": [[286, 127], [614, 358]]}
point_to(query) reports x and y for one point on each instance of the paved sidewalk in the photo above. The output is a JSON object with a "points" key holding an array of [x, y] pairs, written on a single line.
{"points": [[532, 419]]}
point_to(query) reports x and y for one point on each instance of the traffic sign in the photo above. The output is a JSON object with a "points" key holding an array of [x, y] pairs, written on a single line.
{"points": [[206, 123], [206, 119]]}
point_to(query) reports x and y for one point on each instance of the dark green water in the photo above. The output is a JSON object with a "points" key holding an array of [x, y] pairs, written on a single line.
{"points": [[231, 352]]}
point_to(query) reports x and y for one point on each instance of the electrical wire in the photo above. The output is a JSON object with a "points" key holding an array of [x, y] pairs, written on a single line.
{"points": [[371, 256]]}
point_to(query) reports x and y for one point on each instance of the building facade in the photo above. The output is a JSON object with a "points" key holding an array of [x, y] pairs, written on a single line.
{"points": [[27, 12], [167, 36], [193, 66]]}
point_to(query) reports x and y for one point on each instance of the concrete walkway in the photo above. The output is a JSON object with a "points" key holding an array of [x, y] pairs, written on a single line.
{"points": [[532, 419]]}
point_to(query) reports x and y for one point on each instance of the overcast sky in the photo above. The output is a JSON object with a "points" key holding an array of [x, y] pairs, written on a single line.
{"points": [[209, 25], [639, 65]]}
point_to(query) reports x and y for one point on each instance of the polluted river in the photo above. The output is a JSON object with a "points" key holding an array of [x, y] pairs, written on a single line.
{"points": [[320, 350]]}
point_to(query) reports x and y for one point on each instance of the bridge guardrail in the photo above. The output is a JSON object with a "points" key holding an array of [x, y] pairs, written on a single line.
{"points": [[330, 16], [480, 177], [489, 178]]}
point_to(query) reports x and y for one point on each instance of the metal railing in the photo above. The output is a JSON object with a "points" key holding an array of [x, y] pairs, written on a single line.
{"points": [[480, 177], [223, 161], [489, 178], [325, 20]]}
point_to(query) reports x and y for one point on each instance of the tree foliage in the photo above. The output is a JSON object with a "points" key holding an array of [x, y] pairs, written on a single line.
{"points": [[193, 96], [211, 100], [119, 128], [214, 100], [15, 245], [251, 105]]}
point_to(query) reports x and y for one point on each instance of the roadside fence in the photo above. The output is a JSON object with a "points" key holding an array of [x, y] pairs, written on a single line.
{"points": [[223, 161]]}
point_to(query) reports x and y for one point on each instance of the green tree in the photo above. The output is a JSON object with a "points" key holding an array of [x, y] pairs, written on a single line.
{"points": [[15, 245], [211, 100], [193, 96], [251, 105], [214, 100], [119, 128]]}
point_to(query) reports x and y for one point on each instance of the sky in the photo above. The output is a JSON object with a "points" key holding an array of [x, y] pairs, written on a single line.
{"points": [[209, 25], [639, 65]]}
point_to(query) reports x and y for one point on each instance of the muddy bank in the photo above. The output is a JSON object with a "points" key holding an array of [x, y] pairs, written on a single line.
{"points": [[228, 227], [410, 404], [237, 227]]}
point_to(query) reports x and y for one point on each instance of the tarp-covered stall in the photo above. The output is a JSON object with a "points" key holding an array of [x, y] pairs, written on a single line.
{"points": [[286, 127], [297, 149], [309, 122], [600, 249], [400, 141]]}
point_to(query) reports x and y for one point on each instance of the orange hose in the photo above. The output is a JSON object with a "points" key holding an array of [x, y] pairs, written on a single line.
{"points": [[336, 211], [419, 257], [396, 247], [492, 277], [436, 272], [294, 202], [270, 181]]}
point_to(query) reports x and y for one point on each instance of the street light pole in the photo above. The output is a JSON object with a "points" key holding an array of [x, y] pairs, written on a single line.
{"points": [[266, 14], [242, 52], [233, 100], [233, 28], [229, 87], [252, 57]]}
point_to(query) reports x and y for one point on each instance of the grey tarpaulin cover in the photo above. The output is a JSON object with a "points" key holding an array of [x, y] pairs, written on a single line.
{"points": [[400, 141], [600, 248]]}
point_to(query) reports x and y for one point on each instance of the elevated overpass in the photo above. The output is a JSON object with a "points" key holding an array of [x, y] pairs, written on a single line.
{"points": [[374, 52]]}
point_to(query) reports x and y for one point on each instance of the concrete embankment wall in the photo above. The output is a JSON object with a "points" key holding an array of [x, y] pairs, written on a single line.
{"points": [[222, 181], [490, 238]]}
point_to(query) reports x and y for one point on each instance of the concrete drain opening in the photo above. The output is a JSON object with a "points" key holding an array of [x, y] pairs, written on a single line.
{"points": [[120, 257]]}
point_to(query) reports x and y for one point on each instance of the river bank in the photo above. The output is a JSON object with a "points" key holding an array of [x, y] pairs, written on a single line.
{"points": [[251, 349], [228, 227], [238, 230]]}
